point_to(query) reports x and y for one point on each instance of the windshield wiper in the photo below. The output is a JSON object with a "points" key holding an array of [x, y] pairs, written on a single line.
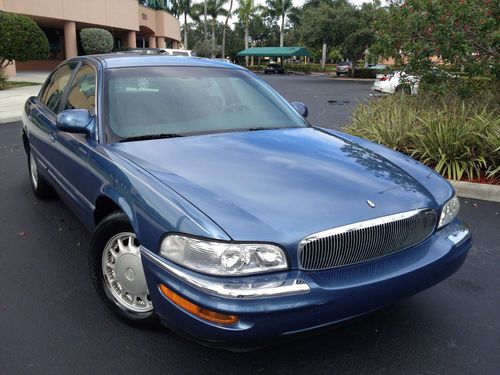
{"points": [[149, 136], [258, 128]]}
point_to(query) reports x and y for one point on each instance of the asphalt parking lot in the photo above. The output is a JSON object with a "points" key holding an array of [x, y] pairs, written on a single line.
{"points": [[51, 321], [329, 100]]}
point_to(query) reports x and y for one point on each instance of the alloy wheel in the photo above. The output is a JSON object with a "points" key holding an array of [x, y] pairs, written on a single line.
{"points": [[124, 278]]}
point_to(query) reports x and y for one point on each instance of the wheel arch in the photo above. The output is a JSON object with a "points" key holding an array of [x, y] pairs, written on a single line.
{"points": [[109, 202], [25, 141]]}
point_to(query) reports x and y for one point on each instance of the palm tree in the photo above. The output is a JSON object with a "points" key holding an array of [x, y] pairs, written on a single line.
{"points": [[184, 7], [246, 11], [205, 7], [278, 9], [215, 8], [224, 29]]}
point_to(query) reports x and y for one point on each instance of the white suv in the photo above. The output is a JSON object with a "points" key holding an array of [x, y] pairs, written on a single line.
{"points": [[176, 52]]}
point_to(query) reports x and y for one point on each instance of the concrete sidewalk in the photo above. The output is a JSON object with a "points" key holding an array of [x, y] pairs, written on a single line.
{"points": [[12, 100]]}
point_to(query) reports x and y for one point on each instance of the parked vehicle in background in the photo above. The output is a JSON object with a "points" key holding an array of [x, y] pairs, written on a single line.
{"points": [[274, 68], [380, 67], [343, 67], [161, 51], [223, 59], [396, 81], [143, 51], [177, 52]]}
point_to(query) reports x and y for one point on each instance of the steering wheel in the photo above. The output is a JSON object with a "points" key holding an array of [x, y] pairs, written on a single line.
{"points": [[236, 107]]}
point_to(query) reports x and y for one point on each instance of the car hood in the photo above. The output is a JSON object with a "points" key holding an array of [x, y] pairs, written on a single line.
{"points": [[278, 185]]}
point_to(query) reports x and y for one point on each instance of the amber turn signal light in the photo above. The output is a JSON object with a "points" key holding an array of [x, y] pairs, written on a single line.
{"points": [[196, 310]]}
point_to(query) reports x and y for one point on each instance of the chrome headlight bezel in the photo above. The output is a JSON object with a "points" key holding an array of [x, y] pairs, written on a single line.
{"points": [[223, 258], [449, 211]]}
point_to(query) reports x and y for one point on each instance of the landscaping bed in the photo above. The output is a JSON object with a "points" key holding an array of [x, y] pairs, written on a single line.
{"points": [[459, 138]]}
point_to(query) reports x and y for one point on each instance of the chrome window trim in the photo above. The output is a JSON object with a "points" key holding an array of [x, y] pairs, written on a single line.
{"points": [[294, 286]]}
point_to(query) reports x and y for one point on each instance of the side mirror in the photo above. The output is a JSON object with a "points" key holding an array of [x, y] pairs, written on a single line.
{"points": [[301, 108], [75, 121]]}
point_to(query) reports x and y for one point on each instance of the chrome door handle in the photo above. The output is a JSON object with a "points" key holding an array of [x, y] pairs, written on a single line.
{"points": [[53, 137]]}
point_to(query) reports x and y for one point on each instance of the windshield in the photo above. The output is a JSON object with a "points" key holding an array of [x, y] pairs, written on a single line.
{"points": [[149, 101]]}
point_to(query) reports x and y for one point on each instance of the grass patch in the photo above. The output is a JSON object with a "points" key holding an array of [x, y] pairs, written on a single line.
{"points": [[458, 138], [13, 84]]}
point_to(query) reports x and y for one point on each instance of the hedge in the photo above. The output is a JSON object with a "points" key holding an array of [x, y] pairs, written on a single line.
{"points": [[96, 41]]}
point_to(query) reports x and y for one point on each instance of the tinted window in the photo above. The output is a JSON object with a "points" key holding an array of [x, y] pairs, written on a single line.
{"points": [[82, 92], [183, 100], [53, 92]]}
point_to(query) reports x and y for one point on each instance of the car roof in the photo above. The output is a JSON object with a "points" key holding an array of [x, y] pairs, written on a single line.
{"points": [[125, 60]]}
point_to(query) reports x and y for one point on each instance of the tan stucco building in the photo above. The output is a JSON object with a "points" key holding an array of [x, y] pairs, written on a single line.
{"points": [[130, 23]]}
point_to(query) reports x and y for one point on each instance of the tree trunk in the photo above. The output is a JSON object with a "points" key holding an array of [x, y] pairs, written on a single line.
{"points": [[205, 20], [224, 42], [224, 30], [246, 43], [185, 31], [282, 29], [213, 37]]}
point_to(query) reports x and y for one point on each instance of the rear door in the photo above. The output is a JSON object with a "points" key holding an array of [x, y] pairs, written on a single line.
{"points": [[42, 112]]}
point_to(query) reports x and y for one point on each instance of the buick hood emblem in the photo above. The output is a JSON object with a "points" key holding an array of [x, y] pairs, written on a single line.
{"points": [[370, 203]]}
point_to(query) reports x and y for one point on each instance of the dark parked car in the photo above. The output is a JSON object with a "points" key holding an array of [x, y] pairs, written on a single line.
{"points": [[215, 206], [274, 69], [343, 67], [377, 67]]}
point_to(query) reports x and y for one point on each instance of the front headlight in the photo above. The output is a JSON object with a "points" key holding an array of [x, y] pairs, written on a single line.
{"points": [[449, 211], [222, 258]]}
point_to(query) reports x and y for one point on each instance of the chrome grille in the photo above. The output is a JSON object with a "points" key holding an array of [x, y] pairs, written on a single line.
{"points": [[366, 240]]}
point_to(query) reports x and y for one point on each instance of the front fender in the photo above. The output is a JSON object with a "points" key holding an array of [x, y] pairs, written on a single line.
{"points": [[153, 209]]}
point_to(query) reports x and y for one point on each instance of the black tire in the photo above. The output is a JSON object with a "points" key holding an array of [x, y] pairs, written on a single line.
{"points": [[403, 89], [109, 227], [41, 188], [338, 74]]}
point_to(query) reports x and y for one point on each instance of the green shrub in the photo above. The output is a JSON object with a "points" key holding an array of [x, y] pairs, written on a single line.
{"points": [[299, 68], [458, 138], [384, 122], [308, 68], [21, 39], [454, 84], [365, 73], [96, 41]]}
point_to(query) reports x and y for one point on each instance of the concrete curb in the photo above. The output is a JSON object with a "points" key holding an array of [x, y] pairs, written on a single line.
{"points": [[474, 190], [10, 119], [346, 79]]}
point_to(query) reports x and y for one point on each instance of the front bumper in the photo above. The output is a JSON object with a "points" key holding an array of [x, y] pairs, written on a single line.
{"points": [[322, 298]]}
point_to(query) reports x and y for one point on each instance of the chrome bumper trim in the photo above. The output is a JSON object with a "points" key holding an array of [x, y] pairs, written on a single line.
{"points": [[459, 235], [239, 290]]}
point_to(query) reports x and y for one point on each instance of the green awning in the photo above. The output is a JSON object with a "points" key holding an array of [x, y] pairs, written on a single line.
{"points": [[274, 51]]}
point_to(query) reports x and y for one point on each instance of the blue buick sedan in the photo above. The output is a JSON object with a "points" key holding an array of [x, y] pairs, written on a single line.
{"points": [[216, 208]]}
